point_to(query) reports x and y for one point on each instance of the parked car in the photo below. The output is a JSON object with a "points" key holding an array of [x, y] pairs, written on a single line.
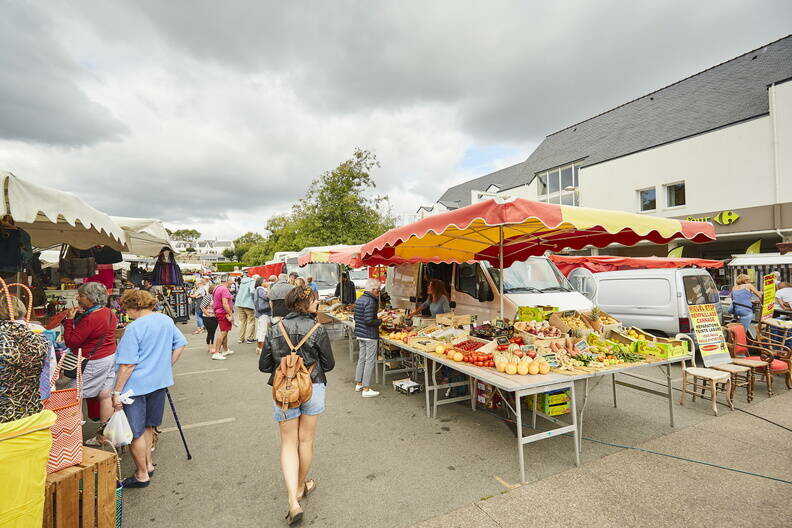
{"points": [[655, 300]]}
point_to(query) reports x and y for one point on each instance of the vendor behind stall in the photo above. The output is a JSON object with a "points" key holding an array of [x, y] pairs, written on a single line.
{"points": [[93, 331], [345, 290], [436, 302]]}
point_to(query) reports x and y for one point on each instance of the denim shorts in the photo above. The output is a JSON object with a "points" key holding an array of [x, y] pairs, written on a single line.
{"points": [[316, 405], [145, 411]]}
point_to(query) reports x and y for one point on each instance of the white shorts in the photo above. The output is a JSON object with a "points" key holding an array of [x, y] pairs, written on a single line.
{"points": [[262, 325]]}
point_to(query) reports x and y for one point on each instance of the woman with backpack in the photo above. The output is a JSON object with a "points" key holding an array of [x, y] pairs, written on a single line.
{"points": [[298, 389]]}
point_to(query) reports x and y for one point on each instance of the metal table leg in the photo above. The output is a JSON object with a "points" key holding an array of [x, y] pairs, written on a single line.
{"points": [[351, 344], [520, 454], [613, 385], [427, 366], [670, 396], [582, 410], [473, 390], [576, 425], [533, 412]]}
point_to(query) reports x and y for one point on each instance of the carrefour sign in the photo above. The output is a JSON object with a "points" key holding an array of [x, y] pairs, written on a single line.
{"points": [[722, 218]]}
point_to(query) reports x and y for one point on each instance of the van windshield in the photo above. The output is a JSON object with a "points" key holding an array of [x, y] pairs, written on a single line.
{"points": [[359, 274], [535, 275]]}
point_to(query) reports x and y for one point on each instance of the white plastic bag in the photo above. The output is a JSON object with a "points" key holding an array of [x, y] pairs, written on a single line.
{"points": [[117, 431]]}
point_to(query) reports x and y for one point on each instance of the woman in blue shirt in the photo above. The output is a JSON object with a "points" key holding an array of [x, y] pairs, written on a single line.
{"points": [[742, 296], [437, 302], [144, 366]]}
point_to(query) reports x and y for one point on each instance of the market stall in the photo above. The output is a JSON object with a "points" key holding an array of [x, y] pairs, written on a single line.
{"points": [[603, 263], [556, 348]]}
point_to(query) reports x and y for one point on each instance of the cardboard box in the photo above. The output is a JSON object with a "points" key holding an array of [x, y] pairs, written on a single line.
{"points": [[556, 320], [450, 319], [407, 386]]}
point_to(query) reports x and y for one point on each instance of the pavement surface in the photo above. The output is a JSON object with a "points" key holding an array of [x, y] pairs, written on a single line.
{"points": [[381, 462]]}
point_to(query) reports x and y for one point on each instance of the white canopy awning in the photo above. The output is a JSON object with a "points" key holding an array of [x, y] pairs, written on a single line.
{"points": [[144, 236], [54, 217], [760, 259]]}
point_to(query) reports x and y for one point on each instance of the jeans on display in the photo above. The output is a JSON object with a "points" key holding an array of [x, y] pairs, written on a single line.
{"points": [[367, 359]]}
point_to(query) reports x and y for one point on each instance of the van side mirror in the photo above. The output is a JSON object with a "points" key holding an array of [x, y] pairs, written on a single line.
{"points": [[452, 304]]}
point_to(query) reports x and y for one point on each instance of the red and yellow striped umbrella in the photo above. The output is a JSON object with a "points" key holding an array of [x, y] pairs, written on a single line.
{"points": [[522, 228]]}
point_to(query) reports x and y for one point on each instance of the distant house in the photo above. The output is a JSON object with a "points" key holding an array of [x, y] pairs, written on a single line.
{"points": [[204, 247]]}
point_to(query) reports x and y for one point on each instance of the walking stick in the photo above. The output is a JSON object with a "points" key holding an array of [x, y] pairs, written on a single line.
{"points": [[178, 424]]}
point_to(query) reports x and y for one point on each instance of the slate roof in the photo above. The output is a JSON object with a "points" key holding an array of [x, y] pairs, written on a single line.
{"points": [[733, 91]]}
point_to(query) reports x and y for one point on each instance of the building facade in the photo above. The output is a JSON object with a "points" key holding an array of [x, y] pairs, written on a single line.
{"points": [[715, 146]]}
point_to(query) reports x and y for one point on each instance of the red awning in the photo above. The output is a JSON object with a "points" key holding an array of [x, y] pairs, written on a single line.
{"points": [[267, 270], [528, 228], [598, 264]]}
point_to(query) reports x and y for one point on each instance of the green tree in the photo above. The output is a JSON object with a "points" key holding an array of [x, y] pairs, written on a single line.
{"points": [[187, 235], [340, 207], [229, 253], [245, 242]]}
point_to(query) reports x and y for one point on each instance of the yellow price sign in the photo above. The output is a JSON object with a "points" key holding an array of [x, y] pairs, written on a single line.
{"points": [[768, 295]]}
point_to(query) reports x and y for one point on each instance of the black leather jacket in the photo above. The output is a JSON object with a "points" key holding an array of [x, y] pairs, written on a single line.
{"points": [[316, 350], [366, 321]]}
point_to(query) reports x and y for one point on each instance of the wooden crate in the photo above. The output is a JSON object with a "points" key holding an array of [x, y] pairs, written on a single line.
{"points": [[82, 496]]}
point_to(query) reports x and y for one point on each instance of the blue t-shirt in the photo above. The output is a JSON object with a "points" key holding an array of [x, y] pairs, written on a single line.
{"points": [[148, 343], [314, 286]]}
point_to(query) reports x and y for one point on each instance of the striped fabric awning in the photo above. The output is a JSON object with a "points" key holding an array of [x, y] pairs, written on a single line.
{"points": [[524, 228]]}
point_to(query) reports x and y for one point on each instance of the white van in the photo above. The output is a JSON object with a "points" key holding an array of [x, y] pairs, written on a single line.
{"points": [[655, 300], [474, 287]]}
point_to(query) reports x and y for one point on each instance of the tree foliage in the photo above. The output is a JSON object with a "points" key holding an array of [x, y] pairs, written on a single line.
{"points": [[187, 235], [338, 208], [229, 253], [245, 242]]}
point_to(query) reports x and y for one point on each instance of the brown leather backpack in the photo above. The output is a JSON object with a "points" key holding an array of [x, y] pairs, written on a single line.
{"points": [[292, 385]]}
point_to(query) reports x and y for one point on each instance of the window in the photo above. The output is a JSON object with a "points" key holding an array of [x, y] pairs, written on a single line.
{"points": [[535, 275], [647, 199], [675, 194], [470, 280], [700, 289], [551, 185]]}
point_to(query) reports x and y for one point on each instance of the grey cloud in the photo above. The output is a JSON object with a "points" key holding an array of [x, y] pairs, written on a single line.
{"points": [[515, 70], [39, 99]]}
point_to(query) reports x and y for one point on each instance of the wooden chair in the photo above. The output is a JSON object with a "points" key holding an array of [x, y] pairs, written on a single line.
{"points": [[765, 357], [711, 380]]}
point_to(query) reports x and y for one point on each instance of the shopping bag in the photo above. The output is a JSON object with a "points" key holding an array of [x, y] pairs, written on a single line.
{"points": [[24, 448], [67, 432], [117, 431]]}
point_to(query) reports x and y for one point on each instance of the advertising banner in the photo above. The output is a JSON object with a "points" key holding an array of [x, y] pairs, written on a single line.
{"points": [[768, 295], [709, 334]]}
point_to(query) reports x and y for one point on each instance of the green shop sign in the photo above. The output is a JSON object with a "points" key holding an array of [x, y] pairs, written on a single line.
{"points": [[722, 218]]}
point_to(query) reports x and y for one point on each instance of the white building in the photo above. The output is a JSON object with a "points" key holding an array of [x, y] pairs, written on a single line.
{"points": [[204, 247], [716, 145]]}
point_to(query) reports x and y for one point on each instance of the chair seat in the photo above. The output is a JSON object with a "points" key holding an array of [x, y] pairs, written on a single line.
{"points": [[776, 366], [707, 373], [753, 363], [731, 368]]}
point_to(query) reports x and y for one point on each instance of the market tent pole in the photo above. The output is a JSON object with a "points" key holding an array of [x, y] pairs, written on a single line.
{"points": [[500, 263]]}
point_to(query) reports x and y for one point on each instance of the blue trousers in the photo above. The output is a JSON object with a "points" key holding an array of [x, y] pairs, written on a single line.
{"points": [[198, 317]]}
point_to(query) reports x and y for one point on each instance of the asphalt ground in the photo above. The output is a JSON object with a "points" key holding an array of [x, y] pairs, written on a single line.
{"points": [[379, 462]]}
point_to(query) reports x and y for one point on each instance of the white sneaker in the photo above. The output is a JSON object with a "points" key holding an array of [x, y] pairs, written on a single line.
{"points": [[218, 356], [370, 393], [228, 352], [358, 387]]}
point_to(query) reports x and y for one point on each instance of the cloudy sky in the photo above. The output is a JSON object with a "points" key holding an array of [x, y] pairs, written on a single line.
{"points": [[219, 114]]}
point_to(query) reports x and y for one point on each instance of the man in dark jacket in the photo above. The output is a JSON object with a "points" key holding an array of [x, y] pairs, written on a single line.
{"points": [[367, 332], [345, 290]]}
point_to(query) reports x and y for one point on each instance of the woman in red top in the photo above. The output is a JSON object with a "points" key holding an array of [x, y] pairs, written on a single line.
{"points": [[93, 331]]}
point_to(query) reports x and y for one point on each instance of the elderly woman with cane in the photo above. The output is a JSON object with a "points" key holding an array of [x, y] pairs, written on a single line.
{"points": [[91, 327], [150, 346]]}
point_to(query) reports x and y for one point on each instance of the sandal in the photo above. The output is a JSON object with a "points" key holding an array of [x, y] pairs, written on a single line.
{"points": [[132, 482], [306, 490], [294, 517]]}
